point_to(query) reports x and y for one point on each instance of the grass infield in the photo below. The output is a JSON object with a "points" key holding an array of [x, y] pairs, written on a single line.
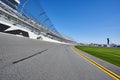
{"points": [[111, 55]]}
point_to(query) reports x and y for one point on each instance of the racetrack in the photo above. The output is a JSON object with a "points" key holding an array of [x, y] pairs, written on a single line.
{"points": [[28, 59]]}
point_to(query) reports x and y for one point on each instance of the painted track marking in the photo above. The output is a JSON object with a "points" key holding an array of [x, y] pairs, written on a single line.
{"points": [[107, 71]]}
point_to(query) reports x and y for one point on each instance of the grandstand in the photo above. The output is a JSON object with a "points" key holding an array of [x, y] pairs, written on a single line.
{"points": [[19, 23]]}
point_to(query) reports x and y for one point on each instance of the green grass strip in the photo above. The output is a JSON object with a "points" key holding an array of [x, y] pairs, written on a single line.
{"points": [[111, 55]]}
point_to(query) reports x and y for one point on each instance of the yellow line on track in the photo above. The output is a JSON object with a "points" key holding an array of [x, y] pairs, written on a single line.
{"points": [[107, 71]]}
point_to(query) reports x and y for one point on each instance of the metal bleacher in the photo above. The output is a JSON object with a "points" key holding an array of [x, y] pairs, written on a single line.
{"points": [[13, 17]]}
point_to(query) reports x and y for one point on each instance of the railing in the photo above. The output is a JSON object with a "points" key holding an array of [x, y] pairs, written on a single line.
{"points": [[14, 18]]}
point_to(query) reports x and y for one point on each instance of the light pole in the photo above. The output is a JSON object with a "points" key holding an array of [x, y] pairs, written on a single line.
{"points": [[21, 10]]}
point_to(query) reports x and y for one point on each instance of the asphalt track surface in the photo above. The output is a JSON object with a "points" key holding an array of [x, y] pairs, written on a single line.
{"points": [[27, 59]]}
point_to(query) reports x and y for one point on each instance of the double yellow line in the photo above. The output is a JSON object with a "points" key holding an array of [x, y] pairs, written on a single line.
{"points": [[107, 71]]}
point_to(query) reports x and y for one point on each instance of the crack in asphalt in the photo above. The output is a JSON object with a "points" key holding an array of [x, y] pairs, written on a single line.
{"points": [[14, 62]]}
